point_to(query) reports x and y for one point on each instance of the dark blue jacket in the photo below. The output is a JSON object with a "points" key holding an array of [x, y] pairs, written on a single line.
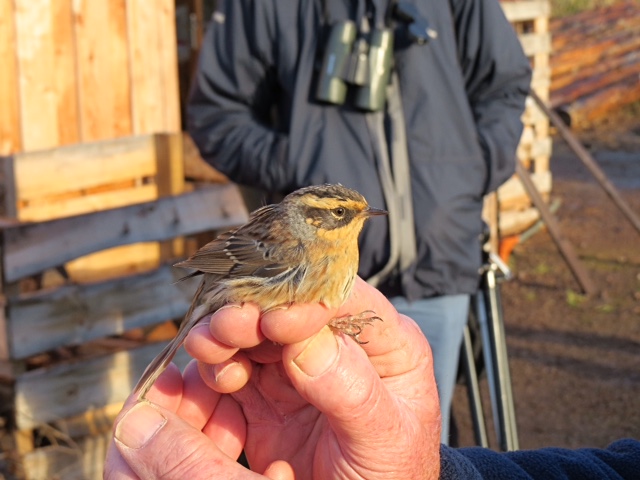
{"points": [[253, 115], [621, 460]]}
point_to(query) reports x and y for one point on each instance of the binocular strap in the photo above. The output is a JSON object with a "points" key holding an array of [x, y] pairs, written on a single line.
{"points": [[396, 182]]}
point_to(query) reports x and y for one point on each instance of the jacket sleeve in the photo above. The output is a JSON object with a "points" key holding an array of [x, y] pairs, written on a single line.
{"points": [[497, 77], [231, 99], [621, 460]]}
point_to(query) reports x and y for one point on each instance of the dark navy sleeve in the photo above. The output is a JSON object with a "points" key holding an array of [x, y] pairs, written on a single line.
{"points": [[621, 460], [231, 100]]}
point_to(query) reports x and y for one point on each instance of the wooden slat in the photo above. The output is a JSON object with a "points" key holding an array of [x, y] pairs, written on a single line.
{"points": [[77, 205], [53, 172], [523, 10], [65, 390], [115, 262], [65, 74], [103, 64], [168, 52], [535, 43], [76, 314], [83, 459], [512, 195], [10, 138], [32, 248], [170, 181], [8, 201], [36, 65], [154, 78], [514, 222], [92, 421]]}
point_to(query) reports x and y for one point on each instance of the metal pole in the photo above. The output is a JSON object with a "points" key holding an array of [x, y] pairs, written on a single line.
{"points": [[588, 161], [473, 390], [490, 316], [566, 250]]}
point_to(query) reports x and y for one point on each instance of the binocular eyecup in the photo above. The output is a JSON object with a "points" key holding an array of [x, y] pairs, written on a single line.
{"points": [[361, 61]]}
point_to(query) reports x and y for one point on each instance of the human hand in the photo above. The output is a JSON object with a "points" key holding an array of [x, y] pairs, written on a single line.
{"points": [[321, 404]]}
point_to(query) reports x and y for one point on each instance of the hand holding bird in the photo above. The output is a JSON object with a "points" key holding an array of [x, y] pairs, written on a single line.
{"points": [[302, 250]]}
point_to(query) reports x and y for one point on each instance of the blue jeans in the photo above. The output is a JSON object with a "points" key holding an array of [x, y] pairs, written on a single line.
{"points": [[442, 320]]}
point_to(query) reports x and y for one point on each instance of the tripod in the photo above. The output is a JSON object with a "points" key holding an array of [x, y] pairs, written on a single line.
{"points": [[486, 310]]}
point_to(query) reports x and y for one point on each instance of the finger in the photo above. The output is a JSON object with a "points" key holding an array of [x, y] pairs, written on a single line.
{"points": [[203, 346], [237, 325], [228, 427], [199, 401], [296, 322], [395, 343], [335, 375], [280, 470], [166, 391], [228, 376], [156, 443]]}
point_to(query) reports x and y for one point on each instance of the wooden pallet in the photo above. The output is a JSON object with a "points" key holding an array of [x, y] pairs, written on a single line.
{"points": [[71, 347], [76, 179], [83, 71], [530, 19]]}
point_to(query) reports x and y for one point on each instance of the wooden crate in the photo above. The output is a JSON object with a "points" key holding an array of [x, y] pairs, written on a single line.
{"points": [[71, 180], [80, 71], [66, 361], [530, 19]]}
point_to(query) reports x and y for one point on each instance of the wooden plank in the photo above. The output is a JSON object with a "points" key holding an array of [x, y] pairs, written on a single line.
{"points": [[154, 66], [79, 459], [514, 222], [45, 48], [524, 10], [48, 209], [10, 135], [65, 390], [103, 64], [513, 196], [8, 200], [76, 167], [513, 188], [168, 53], [76, 314], [115, 262], [38, 99], [65, 74], [535, 43], [93, 421], [32, 248], [170, 181]]}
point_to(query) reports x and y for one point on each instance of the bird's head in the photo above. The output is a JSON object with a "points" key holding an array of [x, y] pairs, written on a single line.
{"points": [[330, 212]]}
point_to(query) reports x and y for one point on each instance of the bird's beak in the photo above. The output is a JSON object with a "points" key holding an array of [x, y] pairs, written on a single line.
{"points": [[371, 212]]}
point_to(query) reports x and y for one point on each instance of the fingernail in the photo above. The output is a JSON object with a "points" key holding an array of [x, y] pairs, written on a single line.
{"points": [[220, 369], [319, 354], [139, 425], [229, 305]]}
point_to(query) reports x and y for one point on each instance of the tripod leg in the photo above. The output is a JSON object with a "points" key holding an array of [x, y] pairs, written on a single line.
{"points": [[504, 406], [473, 390]]}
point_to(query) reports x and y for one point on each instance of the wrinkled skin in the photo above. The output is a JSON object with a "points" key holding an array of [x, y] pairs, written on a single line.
{"points": [[300, 400]]}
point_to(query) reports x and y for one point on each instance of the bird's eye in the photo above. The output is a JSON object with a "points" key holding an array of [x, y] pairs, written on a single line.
{"points": [[339, 212]]}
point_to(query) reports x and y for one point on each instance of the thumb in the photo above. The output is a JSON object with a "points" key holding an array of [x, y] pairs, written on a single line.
{"points": [[156, 443], [335, 375]]}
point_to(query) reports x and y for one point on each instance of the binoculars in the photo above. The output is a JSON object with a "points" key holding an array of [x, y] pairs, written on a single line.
{"points": [[362, 61]]}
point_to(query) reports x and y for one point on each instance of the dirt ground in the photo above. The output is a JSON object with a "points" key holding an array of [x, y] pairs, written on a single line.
{"points": [[575, 361]]}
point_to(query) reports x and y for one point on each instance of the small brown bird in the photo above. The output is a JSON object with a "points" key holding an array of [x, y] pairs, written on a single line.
{"points": [[304, 249]]}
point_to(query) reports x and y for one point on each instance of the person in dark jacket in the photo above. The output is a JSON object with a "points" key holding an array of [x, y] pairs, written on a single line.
{"points": [[318, 406], [257, 114]]}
